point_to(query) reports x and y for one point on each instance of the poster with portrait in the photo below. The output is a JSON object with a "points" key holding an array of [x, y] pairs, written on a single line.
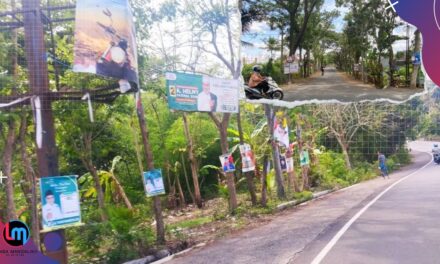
{"points": [[199, 93], [153, 182], [289, 165], [227, 162], [60, 204], [105, 39], [247, 158], [304, 158], [283, 163], [281, 133]]}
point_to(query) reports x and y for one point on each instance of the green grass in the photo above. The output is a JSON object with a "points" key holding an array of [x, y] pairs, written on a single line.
{"points": [[191, 223]]}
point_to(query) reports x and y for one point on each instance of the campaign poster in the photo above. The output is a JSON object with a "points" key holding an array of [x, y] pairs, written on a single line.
{"points": [[289, 165], [281, 133], [60, 202], [105, 39], [304, 158], [153, 182], [198, 93], [247, 158], [227, 162], [283, 163]]}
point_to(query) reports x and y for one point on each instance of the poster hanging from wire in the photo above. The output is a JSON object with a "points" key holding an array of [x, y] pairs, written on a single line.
{"points": [[60, 202], [105, 42], [198, 93]]}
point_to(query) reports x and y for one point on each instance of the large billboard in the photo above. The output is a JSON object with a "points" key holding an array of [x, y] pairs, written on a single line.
{"points": [[105, 42], [198, 93]]}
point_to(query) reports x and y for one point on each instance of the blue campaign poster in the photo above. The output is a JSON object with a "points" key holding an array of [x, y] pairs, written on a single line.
{"points": [[183, 91], [153, 182], [60, 202]]}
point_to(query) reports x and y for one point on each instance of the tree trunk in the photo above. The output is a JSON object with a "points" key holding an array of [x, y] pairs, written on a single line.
{"points": [[249, 175], [188, 186], [30, 178], [193, 163], [157, 206], [291, 176], [416, 69], [230, 178], [88, 162], [264, 182], [392, 66], [121, 191], [275, 153], [179, 188], [344, 147], [8, 153]]}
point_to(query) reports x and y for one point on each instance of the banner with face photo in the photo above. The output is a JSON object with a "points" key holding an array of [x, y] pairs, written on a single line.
{"points": [[227, 162], [283, 163], [60, 202], [105, 39], [153, 182], [197, 93], [247, 158], [281, 133]]}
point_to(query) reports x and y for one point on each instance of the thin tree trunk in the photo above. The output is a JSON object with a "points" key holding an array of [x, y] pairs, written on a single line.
{"points": [[7, 168], [157, 206], [416, 69], [188, 186], [249, 175], [121, 191], [193, 163], [30, 178], [264, 182], [230, 178], [88, 162], [179, 188], [275, 154]]}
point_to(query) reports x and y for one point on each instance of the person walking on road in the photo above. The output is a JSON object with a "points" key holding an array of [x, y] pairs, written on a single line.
{"points": [[322, 70], [383, 165]]}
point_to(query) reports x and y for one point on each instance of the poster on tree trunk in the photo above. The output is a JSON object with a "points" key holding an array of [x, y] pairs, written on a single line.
{"points": [[283, 163], [289, 165], [60, 202], [304, 158], [281, 132], [247, 158], [105, 42], [227, 162], [153, 182]]}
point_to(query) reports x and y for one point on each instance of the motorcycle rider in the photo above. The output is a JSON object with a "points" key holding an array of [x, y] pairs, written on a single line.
{"points": [[436, 149], [257, 81]]}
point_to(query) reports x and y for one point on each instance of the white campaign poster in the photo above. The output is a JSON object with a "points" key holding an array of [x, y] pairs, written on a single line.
{"points": [[289, 164], [247, 158], [226, 91]]}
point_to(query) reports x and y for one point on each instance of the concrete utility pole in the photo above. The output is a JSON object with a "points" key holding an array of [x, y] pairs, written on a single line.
{"points": [[47, 155]]}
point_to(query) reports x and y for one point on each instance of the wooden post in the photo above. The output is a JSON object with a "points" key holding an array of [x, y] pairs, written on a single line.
{"points": [[47, 155]]}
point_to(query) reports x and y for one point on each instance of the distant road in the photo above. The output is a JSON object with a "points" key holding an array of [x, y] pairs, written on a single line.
{"points": [[339, 86]]}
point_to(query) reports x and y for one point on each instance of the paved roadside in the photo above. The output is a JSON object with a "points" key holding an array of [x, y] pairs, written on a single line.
{"points": [[287, 235], [339, 86]]}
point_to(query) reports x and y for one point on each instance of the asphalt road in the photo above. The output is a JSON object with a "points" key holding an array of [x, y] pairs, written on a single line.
{"points": [[400, 227], [337, 86]]}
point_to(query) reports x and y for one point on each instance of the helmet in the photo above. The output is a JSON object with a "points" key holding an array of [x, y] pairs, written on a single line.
{"points": [[257, 68]]}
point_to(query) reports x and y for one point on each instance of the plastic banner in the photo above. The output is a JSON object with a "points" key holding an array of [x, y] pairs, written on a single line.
{"points": [[227, 162], [105, 39], [247, 158], [153, 182], [60, 202], [197, 93]]}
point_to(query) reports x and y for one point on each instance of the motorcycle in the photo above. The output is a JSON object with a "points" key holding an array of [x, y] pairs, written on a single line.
{"points": [[437, 158], [274, 92], [114, 61]]}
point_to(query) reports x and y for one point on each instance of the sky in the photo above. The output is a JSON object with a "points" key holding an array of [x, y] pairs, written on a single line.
{"points": [[260, 31]]}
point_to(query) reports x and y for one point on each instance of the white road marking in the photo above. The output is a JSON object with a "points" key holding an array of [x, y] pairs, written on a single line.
{"points": [[335, 239]]}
